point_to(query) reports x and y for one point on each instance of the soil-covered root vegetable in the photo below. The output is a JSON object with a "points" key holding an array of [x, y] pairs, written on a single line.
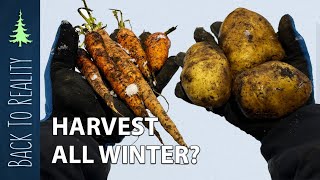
{"points": [[129, 41], [122, 60], [118, 81], [206, 76], [248, 39], [157, 47], [132, 100], [118, 53], [115, 63], [91, 72], [271, 90]]}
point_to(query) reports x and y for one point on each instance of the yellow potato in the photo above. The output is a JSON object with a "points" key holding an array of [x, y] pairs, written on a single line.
{"points": [[248, 39], [206, 76], [271, 90]]}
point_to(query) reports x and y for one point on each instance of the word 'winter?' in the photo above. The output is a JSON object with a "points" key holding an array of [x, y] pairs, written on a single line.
{"points": [[164, 154], [92, 124]]}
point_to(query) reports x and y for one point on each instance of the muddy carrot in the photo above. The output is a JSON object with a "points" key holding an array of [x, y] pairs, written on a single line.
{"points": [[120, 80], [116, 78], [122, 60], [91, 72], [128, 40], [157, 47]]}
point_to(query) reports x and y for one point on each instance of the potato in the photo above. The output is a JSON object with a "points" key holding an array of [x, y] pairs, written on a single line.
{"points": [[248, 39], [271, 90], [206, 76]]}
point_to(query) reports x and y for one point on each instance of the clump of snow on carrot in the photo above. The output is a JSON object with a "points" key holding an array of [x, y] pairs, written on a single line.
{"points": [[133, 60], [131, 90], [161, 36], [94, 77]]}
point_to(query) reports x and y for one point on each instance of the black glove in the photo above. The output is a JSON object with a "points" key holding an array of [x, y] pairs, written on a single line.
{"points": [[296, 54], [71, 94]]}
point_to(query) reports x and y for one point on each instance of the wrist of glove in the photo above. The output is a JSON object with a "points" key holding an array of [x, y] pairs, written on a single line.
{"points": [[296, 55]]}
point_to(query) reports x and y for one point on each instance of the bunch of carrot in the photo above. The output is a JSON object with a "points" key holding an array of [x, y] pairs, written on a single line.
{"points": [[127, 66]]}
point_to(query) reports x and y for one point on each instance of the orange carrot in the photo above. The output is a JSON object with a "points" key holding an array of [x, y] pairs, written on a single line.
{"points": [[91, 72], [157, 47], [128, 40], [109, 57], [95, 46], [119, 83], [122, 60]]}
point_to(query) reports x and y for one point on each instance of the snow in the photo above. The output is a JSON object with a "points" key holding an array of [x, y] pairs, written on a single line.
{"points": [[131, 90], [62, 47], [112, 93], [161, 36], [65, 22], [299, 38], [247, 33], [94, 77], [133, 60], [52, 51]]}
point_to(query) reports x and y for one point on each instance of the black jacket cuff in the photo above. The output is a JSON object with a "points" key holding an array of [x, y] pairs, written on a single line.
{"points": [[301, 127]]}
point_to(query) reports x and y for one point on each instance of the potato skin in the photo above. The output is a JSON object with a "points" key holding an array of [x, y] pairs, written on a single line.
{"points": [[271, 90], [248, 39], [206, 76]]}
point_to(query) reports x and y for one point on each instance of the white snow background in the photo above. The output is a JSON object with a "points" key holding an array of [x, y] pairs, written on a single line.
{"points": [[226, 152]]}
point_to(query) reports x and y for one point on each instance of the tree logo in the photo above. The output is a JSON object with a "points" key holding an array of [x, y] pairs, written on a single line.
{"points": [[20, 35]]}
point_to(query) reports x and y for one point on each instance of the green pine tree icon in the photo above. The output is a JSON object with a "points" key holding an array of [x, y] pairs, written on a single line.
{"points": [[20, 36]]}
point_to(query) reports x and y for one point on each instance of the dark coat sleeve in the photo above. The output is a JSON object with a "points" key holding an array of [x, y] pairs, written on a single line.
{"points": [[60, 171], [292, 148]]}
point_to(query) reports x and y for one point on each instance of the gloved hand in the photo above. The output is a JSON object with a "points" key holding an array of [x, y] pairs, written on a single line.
{"points": [[296, 54], [68, 94]]}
